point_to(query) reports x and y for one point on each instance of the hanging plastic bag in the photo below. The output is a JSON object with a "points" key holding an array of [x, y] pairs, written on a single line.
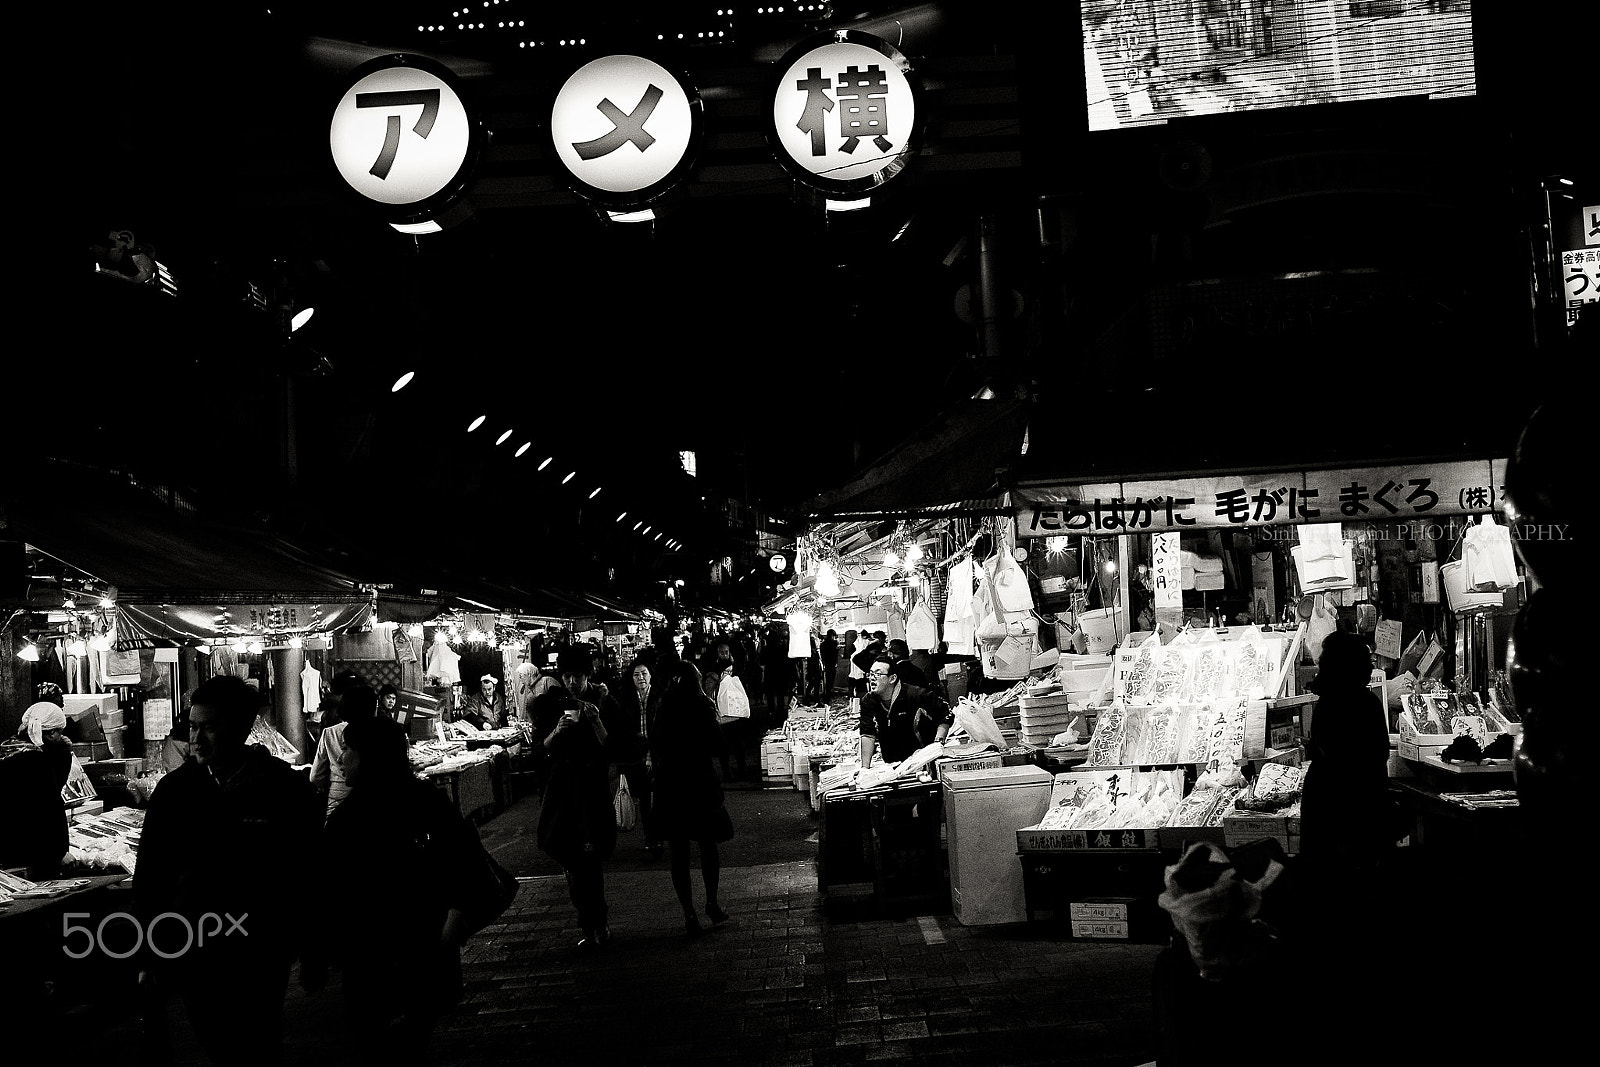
{"points": [[922, 632], [627, 808], [1324, 621], [1010, 583], [1488, 557], [732, 701]]}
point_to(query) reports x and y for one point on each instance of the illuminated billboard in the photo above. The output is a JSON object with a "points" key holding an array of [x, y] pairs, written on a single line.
{"points": [[1147, 62]]}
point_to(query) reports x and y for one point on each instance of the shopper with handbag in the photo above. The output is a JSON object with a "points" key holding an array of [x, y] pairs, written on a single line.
{"points": [[688, 802], [399, 952]]}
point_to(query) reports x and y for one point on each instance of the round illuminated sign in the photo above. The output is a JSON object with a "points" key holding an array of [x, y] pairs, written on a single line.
{"points": [[844, 112], [777, 563], [402, 137], [625, 128]]}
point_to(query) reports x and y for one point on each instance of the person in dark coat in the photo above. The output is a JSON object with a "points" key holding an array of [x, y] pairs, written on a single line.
{"points": [[1344, 807], [828, 652], [33, 827], [391, 825], [228, 834], [577, 822], [688, 803], [626, 733]]}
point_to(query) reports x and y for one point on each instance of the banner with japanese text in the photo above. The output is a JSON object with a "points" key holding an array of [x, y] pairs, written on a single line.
{"points": [[1404, 493]]}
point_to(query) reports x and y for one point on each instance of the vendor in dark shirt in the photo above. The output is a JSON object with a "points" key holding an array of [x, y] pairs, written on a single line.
{"points": [[897, 717]]}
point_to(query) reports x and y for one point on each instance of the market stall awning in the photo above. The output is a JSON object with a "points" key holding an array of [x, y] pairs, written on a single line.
{"points": [[177, 577], [946, 467]]}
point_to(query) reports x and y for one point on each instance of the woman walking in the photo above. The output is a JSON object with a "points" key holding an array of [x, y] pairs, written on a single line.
{"points": [[687, 796]]}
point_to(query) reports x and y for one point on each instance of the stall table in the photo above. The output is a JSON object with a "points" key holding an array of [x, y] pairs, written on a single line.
{"points": [[890, 839]]}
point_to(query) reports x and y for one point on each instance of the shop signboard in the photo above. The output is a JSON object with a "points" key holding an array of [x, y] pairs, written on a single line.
{"points": [[625, 129], [1409, 493], [844, 113], [403, 137]]}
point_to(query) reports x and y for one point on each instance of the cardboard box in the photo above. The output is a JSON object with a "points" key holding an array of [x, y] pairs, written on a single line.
{"points": [[1143, 840], [91, 751]]}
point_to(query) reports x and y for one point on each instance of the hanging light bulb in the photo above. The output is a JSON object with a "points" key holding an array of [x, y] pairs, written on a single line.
{"points": [[29, 652], [256, 648], [913, 553], [414, 630], [891, 559], [296, 642], [101, 642], [240, 647]]}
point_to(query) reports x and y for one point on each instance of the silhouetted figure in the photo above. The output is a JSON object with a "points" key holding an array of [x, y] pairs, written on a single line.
{"points": [[226, 840], [687, 795]]}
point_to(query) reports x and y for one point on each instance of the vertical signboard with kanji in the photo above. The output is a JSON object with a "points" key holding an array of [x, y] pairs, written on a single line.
{"points": [[625, 129], [844, 113], [403, 137]]}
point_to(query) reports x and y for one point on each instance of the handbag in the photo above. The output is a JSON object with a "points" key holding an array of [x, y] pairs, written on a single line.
{"points": [[732, 701], [491, 887], [626, 807]]}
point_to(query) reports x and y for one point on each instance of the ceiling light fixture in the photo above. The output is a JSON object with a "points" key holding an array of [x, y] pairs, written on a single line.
{"points": [[476, 423]]}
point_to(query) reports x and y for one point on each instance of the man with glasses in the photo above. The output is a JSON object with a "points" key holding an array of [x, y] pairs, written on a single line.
{"points": [[897, 717]]}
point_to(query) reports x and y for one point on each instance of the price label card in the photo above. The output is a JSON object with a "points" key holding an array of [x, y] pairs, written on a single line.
{"points": [[1387, 638]]}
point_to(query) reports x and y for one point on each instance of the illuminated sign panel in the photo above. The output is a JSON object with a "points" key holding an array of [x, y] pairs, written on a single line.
{"points": [[844, 112], [402, 136], [625, 128]]}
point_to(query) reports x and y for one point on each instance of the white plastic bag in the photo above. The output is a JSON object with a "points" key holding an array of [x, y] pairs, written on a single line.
{"points": [[732, 701], [1487, 555]]}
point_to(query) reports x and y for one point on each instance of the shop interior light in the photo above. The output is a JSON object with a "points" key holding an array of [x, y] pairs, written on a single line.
{"points": [[256, 648], [502, 438], [570, 475], [402, 381], [301, 317], [848, 205], [101, 642], [476, 423], [76, 647], [29, 651], [68, 603], [595, 493], [240, 647], [913, 553], [645, 215], [203, 648], [622, 516], [891, 559], [106, 603], [546, 462], [645, 530], [525, 446], [415, 629]]}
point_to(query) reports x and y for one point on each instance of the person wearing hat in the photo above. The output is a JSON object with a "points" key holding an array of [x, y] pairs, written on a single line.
{"points": [[33, 831], [485, 709], [577, 822]]}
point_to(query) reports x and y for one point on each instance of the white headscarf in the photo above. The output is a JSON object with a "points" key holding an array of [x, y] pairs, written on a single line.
{"points": [[41, 717]]}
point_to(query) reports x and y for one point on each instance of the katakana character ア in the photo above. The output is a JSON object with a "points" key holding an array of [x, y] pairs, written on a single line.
{"points": [[868, 116]]}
